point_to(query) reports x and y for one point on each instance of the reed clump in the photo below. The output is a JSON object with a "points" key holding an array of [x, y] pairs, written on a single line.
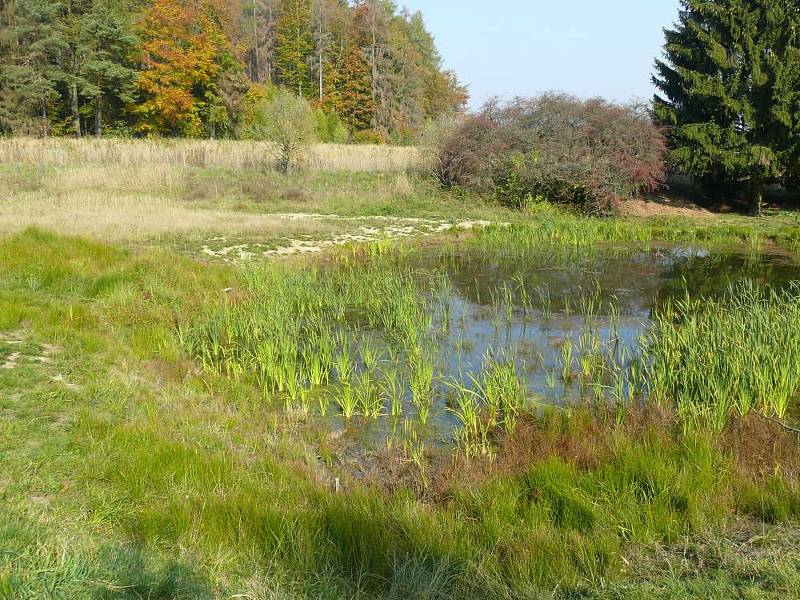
{"points": [[714, 357]]}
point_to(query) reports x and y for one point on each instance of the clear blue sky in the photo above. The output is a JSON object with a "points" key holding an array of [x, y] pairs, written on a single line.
{"points": [[522, 47]]}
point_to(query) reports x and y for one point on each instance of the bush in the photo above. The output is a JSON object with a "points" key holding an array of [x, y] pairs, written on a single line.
{"points": [[288, 122], [369, 136], [556, 147], [329, 128]]}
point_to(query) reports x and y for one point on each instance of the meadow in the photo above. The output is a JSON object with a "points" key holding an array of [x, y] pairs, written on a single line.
{"points": [[548, 405]]}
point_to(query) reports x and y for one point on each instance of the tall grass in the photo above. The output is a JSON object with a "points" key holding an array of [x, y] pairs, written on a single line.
{"points": [[301, 329], [572, 229], [140, 482], [203, 153], [714, 357]]}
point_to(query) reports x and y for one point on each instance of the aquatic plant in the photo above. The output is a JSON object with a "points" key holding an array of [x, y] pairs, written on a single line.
{"points": [[566, 350], [393, 389], [472, 436], [503, 393], [347, 400], [421, 382], [367, 395], [712, 357]]}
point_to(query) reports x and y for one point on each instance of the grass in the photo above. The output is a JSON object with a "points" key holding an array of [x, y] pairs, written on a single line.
{"points": [[145, 476], [717, 357], [577, 230], [199, 153], [223, 210], [168, 447]]}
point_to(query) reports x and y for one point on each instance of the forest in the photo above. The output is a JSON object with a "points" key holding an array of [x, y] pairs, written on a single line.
{"points": [[170, 68]]}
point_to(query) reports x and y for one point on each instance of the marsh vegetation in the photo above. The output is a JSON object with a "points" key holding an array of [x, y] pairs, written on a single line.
{"points": [[555, 404]]}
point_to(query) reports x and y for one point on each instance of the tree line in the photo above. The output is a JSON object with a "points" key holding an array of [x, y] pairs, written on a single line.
{"points": [[203, 68]]}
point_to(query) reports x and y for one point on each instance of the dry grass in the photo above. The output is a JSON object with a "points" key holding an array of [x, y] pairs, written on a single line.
{"points": [[130, 204], [137, 217], [188, 207], [202, 153]]}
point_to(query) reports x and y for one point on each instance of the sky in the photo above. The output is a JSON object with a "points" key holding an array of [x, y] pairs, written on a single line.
{"points": [[523, 47]]}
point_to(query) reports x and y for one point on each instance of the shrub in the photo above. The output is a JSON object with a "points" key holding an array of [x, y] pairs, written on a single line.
{"points": [[288, 122], [557, 147], [329, 128], [368, 136]]}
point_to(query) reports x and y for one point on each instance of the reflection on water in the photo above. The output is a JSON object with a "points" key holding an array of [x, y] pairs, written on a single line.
{"points": [[556, 314]]}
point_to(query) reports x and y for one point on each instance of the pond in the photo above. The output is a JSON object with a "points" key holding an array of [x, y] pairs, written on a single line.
{"points": [[569, 321]]}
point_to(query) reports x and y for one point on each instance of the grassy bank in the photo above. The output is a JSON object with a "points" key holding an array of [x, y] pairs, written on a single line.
{"points": [[130, 471], [161, 428]]}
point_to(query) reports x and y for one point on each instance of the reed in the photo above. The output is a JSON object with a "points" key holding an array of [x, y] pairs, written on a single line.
{"points": [[238, 154], [393, 390], [472, 437], [714, 357], [347, 399], [368, 396]]}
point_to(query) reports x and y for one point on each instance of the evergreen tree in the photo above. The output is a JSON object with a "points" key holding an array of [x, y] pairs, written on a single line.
{"points": [[731, 92], [295, 46], [107, 74], [29, 79]]}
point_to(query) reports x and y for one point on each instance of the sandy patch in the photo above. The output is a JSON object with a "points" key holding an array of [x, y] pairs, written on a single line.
{"points": [[394, 228], [664, 206], [11, 349]]}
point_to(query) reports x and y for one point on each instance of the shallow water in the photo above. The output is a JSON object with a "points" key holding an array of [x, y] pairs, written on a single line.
{"points": [[523, 307]]}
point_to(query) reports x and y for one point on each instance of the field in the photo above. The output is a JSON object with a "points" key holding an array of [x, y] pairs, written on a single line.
{"points": [[221, 382]]}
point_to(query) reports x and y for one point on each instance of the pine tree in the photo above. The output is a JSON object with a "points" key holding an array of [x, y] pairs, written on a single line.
{"points": [[30, 77], [295, 46], [106, 44], [731, 92]]}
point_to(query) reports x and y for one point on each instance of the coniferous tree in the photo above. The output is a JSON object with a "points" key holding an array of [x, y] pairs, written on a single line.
{"points": [[107, 45], [30, 77], [730, 86], [295, 46]]}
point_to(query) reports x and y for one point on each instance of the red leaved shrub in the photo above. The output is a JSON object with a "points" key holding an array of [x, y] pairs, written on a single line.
{"points": [[555, 147]]}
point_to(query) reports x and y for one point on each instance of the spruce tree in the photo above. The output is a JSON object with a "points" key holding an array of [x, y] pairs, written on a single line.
{"points": [[29, 80], [730, 85]]}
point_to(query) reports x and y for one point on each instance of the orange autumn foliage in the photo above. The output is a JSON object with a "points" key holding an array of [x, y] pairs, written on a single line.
{"points": [[185, 45]]}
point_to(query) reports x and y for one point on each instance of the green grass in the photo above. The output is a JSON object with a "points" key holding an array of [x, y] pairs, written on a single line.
{"points": [[559, 226], [717, 357], [128, 470]]}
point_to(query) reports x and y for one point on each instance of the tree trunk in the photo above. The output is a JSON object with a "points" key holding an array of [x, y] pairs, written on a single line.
{"points": [[98, 115], [257, 77], [756, 198], [45, 128], [74, 105]]}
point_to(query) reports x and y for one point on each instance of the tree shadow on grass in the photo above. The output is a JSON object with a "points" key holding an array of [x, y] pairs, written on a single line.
{"points": [[130, 575]]}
